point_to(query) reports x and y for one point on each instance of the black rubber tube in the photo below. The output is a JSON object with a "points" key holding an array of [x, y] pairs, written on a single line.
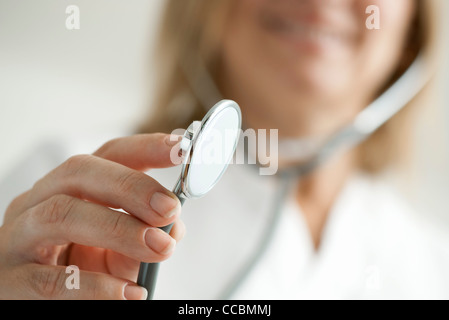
{"points": [[148, 271]]}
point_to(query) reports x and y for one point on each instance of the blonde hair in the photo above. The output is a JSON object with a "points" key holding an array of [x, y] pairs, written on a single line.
{"points": [[188, 53]]}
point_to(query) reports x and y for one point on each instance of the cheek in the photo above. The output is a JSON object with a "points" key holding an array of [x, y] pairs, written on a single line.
{"points": [[253, 61], [246, 55], [380, 50]]}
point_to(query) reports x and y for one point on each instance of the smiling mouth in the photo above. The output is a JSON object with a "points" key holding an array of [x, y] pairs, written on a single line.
{"points": [[303, 31]]}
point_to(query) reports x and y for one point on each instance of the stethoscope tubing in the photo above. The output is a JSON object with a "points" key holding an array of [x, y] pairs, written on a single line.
{"points": [[148, 271], [365, 124]]}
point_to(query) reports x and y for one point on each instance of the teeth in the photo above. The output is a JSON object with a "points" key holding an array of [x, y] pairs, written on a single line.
{"points": [[320, 34], [314, 33]]}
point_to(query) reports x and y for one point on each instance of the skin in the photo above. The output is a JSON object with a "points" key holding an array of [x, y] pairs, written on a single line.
{"points": [[65, 219], [306, 68], [299, 85]]}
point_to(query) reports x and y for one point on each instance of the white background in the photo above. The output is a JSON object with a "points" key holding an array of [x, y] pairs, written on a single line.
{"points": [[56, 82]]}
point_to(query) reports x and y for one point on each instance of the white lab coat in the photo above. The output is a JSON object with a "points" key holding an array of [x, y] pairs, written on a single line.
{"points": [[374, 245]]}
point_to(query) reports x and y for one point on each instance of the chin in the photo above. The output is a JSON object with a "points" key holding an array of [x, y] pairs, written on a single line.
{"points": [[317, 83]]}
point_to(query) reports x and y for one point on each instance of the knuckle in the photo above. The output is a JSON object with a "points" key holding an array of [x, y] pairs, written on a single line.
{"points": [[126, 184], [100, 287], [13, 208], [14, 203], [56, 210], [65, 172], [48, 283], [75, 163], [118, 227]]}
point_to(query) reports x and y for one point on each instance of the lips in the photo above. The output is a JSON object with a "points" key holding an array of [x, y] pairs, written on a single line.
{"points": [[316, 31]]}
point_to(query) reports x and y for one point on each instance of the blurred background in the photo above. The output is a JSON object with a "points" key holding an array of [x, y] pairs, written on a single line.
{"points": [[60, 82], [56, 82]]}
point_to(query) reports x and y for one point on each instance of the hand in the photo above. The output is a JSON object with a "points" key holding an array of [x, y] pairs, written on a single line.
{"points": [[68, 218]]}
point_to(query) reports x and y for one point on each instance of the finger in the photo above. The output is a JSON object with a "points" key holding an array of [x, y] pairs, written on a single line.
{"points": [[122, 266], [108, 183], [103, 260], [62, 220], [34, 281], [17, 206], [141, 152], [178, 230], [115, 263]]}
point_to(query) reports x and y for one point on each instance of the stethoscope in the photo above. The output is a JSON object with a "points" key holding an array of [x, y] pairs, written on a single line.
{"points": [[197, 179]]}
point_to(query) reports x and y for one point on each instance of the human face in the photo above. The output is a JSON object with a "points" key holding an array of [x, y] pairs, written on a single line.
{"points": [[307, 66]]}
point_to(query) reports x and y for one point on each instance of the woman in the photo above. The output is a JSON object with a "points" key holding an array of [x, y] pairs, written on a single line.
{"points": [[304, 67]]}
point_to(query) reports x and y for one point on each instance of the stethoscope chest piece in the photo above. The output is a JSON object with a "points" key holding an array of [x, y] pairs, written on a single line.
{"points": [[206, 149]]}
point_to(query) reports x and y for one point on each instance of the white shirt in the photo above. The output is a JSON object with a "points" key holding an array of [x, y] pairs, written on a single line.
{"points": [[373, 245]]}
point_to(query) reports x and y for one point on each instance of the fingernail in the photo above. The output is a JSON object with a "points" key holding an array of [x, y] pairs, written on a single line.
{"points": [[159, 241], [172, 139], [131, 292], [165, 205]]}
